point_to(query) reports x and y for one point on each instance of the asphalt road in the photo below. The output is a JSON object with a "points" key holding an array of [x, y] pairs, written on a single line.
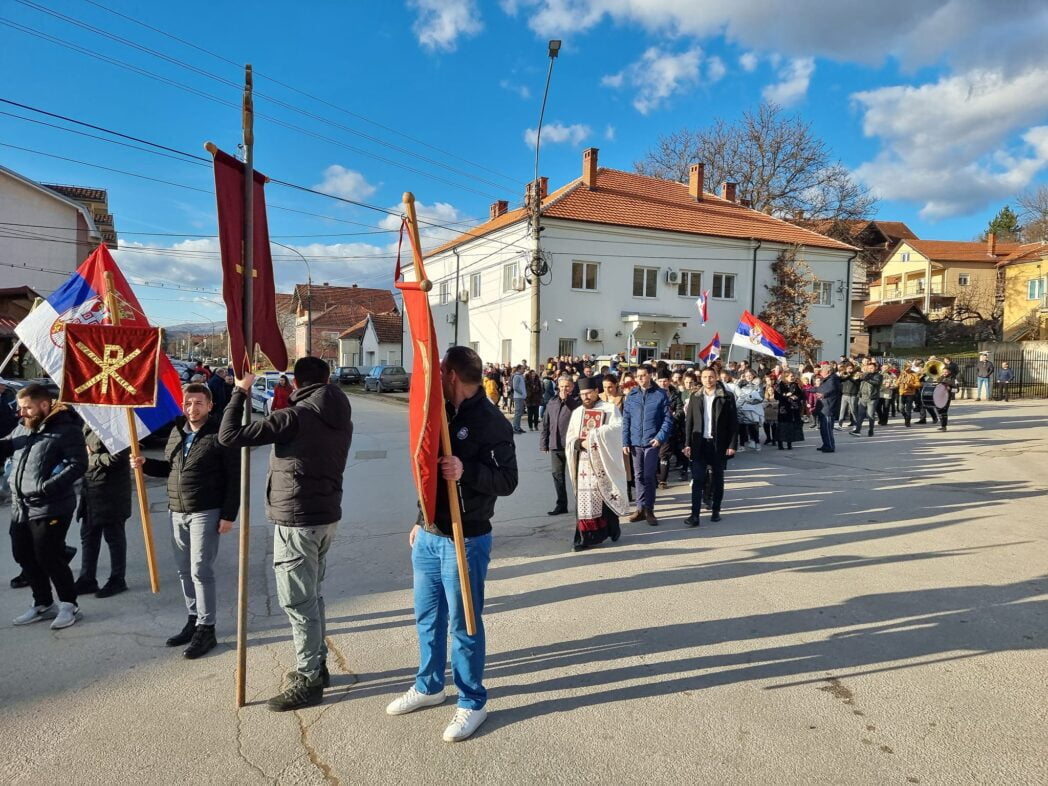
{"points": [[873, 616]]}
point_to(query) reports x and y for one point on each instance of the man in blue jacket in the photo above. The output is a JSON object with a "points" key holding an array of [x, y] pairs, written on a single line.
{"points": [[646, 424]]}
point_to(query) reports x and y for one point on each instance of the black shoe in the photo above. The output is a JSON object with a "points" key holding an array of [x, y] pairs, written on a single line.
{"points": [[781, 447], [942, 428], [19, 581], [907, 424], [855, 433], [325, 676], [111, 588], [85, 586], [297, 695], [716, 516], [789, 447], [558, 511], [578, 547], [869, 433], [921, 422], [203, 642], [185, 635], [692, 521]]}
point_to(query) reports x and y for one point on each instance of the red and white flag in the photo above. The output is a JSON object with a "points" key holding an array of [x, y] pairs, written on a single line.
{"points": [[703, 304]]}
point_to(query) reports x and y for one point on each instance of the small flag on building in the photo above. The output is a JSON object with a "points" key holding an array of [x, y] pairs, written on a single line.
{"points": [[758, 336], [109, 366], [703, 304], [711, 351]]}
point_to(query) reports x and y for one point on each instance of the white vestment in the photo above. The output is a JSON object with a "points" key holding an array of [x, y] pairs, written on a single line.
{"points": [[598, 474]]}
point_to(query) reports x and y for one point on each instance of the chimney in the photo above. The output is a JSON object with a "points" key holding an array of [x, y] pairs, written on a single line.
{"points": [[589, 168], [543, 187], [696, 176], [745, 202], [498, 208], [991, 244], [728, 191]]}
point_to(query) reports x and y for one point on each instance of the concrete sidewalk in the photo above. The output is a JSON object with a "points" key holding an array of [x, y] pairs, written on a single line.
{"points": [[877, 615]]}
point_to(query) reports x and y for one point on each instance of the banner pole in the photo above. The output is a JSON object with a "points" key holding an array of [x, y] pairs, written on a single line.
{"points": [[454, 501], [248, 264], [113, 307]]}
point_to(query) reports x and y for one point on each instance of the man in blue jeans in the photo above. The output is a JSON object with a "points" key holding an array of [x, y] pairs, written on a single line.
{"points": [[646, 423], [484, 464]]}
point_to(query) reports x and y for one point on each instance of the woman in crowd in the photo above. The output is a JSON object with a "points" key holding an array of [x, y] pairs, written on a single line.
{"points": [[771, 410], [282, 394], [532, 398], [793, 404], [749, 401]]}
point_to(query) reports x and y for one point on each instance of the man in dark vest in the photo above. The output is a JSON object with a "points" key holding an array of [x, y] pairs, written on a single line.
{"points": [[552, 439]]}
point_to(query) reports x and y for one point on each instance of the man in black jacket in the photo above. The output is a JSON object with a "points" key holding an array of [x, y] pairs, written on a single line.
{"points": [[203, 495], [105, 507], [49, 457], [828, 389], [310, 440], [711, 426], [484, 464], [552, 438]]}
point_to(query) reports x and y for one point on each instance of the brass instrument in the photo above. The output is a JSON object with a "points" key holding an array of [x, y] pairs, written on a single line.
{"points": [[933, 370]]}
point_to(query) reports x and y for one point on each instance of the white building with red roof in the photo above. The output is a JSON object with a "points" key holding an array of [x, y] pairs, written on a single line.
{"points": [[626, 256]]}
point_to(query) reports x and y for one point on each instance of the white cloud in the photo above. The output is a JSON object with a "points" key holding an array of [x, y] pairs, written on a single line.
{"points": [[794, 77], [442, 213], [558, 133], [440, 23], [715, 69], [958, 143], [748, 62], [658, 75], [346, 183], [520, 90], [609, 132]]}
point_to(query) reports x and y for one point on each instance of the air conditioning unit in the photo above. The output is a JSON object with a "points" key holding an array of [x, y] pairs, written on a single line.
{"points": [[464, 295], [672, 277], [593, 334], [450, 318], [519, 283]]}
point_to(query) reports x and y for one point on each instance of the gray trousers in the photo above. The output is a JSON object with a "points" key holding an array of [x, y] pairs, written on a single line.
{"points": [[299, 562], [194, 537], [849, 408], [518, 413]]}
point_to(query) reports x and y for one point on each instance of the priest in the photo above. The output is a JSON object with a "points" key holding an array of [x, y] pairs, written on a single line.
{"points": [[594, 453]]}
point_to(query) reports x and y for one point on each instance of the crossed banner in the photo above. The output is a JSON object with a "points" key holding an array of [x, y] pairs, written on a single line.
{"points": [[110, 366]]}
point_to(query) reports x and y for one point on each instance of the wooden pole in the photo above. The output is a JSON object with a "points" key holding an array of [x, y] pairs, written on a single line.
{"points": [[248, 262], [113, 306], [454, 500]]}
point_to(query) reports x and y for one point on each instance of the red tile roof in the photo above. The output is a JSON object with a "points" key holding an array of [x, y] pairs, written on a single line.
{"points": [[631, 200], [389, 328], [78, 192], [355, 331], [284, 302], [889, 314], [960, 251], [1026, 251]]}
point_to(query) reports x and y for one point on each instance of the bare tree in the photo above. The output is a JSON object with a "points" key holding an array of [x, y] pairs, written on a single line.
{"points": [[1033, 210], [789, 298], [779, 164]]}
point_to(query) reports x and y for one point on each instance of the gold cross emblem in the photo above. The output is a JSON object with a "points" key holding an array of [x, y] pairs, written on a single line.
{"points": [[112, 360]]}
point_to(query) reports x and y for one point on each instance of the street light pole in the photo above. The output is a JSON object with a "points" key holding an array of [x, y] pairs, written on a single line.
{"points": [[309, 296], [208, 319], [537, 268]]}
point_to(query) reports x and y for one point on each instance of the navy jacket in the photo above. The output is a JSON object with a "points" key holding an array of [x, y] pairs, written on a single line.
{"points": [[829, 390], [646, 416], [555, 422]]}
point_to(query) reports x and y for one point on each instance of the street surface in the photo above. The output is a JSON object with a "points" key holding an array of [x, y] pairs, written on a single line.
{"points": [[873, 616]]}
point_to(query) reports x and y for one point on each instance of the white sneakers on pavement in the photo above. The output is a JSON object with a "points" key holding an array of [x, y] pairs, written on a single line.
{"points": [[67, 613], [36, 614], [413, 700], [464, 723]]}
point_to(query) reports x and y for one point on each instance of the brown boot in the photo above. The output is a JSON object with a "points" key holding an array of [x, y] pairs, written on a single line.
{"points": [[649, 515], [637, 515]]}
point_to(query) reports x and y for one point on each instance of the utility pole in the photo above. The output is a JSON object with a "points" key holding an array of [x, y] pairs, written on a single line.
{"points": [[538, 268], [309, 296]]}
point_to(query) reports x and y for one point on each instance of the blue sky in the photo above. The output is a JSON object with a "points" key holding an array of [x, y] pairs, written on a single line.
{"points": [[940, 107]]}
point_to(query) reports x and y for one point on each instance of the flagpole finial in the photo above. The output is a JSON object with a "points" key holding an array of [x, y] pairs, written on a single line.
{"points": [[409, 198], [211, 147], [425, 285]]}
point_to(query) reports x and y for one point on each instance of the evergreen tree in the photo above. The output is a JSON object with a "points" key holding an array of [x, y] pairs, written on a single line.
{"points": [[790, 298], [1005, 225]]}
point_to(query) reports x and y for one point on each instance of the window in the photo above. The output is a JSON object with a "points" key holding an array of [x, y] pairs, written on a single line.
{"points": [[584, 276], [475, 346], [507, 351], [474, 285], [1035, 289], [445, 292], [690, 283], [823, 293], [566, 346], [723, 286], [904, 256], [964, 280], [509, 272], [645, 282]]}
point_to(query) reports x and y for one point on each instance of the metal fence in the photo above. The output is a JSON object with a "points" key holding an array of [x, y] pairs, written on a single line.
{"points": [[1030, 369]]}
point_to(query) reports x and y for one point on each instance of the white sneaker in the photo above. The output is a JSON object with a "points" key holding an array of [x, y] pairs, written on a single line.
{"points": [[413, 700], [67, 613], [464, 724], [36, 614], [757, 446]]}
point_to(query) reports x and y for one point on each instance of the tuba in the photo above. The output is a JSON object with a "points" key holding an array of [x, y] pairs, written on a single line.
{"points": [[933, 370]]}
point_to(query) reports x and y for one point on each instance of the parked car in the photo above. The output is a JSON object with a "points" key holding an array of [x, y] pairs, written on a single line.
{"points": [[347, 375], [385, 378], [262, 391]]}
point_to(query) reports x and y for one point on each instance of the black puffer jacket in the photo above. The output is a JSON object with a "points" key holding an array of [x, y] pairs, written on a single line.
{"points": [[106, 492], [482, 439], [207, 477], [47, 464], [310, 440]]}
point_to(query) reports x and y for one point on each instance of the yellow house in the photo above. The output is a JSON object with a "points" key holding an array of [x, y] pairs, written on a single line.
{"points": [[943, 277], [1025, 273]]}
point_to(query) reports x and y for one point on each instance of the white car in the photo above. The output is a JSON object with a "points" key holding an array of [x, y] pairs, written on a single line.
{"points": [[262, 391]]}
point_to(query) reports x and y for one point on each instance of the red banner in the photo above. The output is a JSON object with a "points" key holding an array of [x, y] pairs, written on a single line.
{"points": [[229, 190], [110, 366], [427, 396]]}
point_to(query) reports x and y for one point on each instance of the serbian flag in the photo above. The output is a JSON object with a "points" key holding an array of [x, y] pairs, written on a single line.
{"points": [[759, 336], [110, 366], [711, 351], [703, 304], [426, 398], [229, 191], [81, 300]]}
